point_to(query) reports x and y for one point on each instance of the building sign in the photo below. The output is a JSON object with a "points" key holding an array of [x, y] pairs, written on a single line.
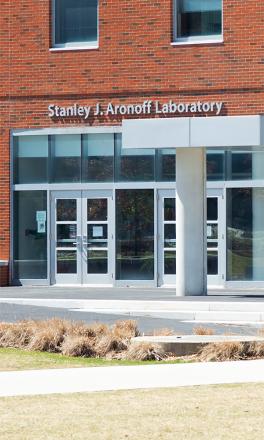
{"points": [[144, 108]]}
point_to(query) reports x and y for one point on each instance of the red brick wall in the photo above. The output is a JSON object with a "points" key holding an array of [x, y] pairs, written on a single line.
{"points": [[4, 281], [135, 61]]}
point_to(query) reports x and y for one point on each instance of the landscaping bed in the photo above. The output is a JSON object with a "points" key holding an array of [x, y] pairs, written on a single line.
{"points": [[58, 343]]}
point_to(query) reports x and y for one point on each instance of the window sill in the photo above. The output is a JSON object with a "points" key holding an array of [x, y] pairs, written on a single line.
{"points": [[189, 42], [72, 48]]}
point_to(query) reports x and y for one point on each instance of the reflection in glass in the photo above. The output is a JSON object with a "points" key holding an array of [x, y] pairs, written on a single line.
{"points": [[31, 159], [75, 21], [97, 210], [66, 158], [212, 231], [30, 246], [212, 244], [169, 235], [241, 164], [97, 262], [199, 18], [166, 165], [239, 234], [98, 158], [212, 262], [212, 208], [135, 234], [66, 235], [169, 209], [169, 263], [66, 262], [66, 210], [215, 161], [135, 164], [245, 234]]}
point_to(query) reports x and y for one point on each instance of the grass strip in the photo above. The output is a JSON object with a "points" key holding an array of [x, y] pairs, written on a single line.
{"points": [[12, 359]]}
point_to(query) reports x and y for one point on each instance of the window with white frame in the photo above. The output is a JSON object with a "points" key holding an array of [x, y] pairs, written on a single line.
{"points": [[198, 19], [75, 23]]}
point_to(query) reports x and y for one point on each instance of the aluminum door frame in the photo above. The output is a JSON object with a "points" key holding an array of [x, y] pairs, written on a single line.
{"points": [[212, 280], [99, 279], [65, 279]]}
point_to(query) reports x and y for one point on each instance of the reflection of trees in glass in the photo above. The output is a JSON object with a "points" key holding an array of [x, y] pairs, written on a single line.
{"points": [[66, 169], [97, 210], [136, 217], [239, 233], [98, 169], [168, 164], [135, 230], [136, 168], [66, 210]]}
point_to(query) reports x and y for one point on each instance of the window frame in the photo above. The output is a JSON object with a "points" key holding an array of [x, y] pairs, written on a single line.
{"points": [[74, 45], [200, 39]]}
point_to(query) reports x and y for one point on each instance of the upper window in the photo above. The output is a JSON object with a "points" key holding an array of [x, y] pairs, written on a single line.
{"points": [[76, 23], [198, 19]]}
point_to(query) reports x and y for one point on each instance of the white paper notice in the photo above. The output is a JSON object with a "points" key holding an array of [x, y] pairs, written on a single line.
{"points": [[209, 231], [41, 216], [41, 227], [98, 232]]}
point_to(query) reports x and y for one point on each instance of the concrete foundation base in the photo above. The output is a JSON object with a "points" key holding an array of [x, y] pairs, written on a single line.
{"points": [[189, 345]]}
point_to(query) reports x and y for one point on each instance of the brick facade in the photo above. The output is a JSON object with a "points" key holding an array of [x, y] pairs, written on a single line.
{"points": [[135, 61]]}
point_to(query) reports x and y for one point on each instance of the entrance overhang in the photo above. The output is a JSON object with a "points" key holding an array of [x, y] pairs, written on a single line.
{"points": [[190, 137], [195, 132]]}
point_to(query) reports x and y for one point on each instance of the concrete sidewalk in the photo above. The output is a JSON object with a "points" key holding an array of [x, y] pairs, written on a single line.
{"points": [[239, 311], [124, 378]]}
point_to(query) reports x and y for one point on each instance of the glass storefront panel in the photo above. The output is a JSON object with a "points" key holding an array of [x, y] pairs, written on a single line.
{"points": [[215, 165], [169, 262], [166, 165], [98, 158], [135, 234], [30, 235], [31, 159], [135, 164], [245, 234], [239, 165], [66, 158]]}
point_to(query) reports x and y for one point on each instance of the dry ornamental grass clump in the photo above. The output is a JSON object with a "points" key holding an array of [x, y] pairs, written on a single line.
{"points": [[231, 351], [126, 329], [48, 335], [203, 331], [16, 335], [110, 343], [81, 346], [143, 351], [222, 351]]}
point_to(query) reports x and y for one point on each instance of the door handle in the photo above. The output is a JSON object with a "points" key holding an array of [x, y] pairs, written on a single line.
{"points": [[78, 240]]}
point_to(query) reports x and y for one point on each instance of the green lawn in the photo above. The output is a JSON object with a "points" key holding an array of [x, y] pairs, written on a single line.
{"points": [[230, 412], [14, 359]]}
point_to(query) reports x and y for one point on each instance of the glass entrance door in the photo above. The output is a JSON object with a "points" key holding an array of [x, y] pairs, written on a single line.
{"points": [[82, 237], [215, 237], [167, 237], [98, 237]]}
